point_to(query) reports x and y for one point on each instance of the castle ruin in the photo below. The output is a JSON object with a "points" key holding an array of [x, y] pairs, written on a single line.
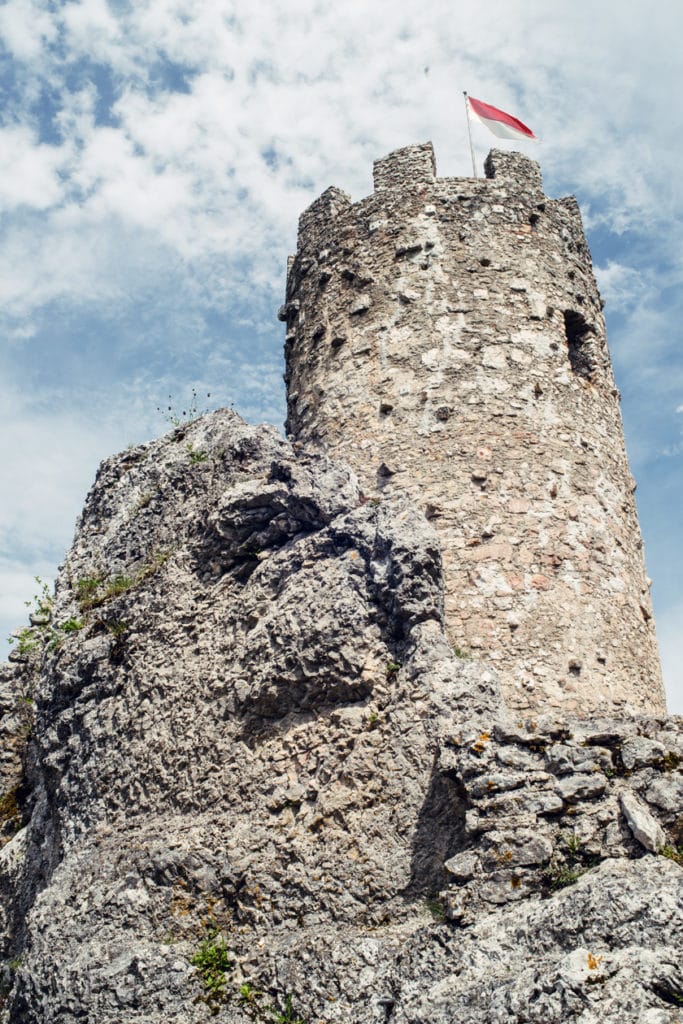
{"points": [[245, 776], [445, 338]]}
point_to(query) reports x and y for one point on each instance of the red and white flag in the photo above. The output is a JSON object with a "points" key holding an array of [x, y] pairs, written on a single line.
{"points": [[505, 126]]}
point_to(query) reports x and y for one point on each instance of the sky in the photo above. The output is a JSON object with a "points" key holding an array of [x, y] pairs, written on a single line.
{"points": [[155, 157]]}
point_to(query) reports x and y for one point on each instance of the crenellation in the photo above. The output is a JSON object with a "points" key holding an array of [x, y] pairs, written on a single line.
{"points": [[446, 338], [517, 171], [326, 207], [412, 165]]}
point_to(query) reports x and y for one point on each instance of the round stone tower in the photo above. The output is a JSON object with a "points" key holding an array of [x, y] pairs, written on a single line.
{"points": [[445, 337]]}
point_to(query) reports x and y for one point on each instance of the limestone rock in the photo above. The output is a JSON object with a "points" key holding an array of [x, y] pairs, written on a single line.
{"points": [[260, 751], [645, 828], [638, 752]]}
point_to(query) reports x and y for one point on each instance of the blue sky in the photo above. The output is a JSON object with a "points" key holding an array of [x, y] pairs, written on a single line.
{"points": [[155, 157]]}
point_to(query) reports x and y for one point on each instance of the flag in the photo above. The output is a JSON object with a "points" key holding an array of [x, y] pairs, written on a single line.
{"points": [[505, 126]]}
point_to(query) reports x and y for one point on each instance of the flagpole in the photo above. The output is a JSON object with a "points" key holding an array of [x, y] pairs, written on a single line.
{"points": [[469, 132]]}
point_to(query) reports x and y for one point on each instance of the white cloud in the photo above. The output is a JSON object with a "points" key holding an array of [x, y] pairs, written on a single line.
{"points": [[622, 287], [50, 459], [29, 170], [91, 30], [25, 27], [327, 94], [184, 138]]}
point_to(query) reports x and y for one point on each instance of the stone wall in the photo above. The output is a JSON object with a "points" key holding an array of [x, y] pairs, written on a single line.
{"points": [[445, 338]]}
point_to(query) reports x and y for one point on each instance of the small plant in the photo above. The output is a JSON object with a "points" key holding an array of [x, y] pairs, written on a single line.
{"points": [[116, 627], [285, 1014], [674, 853], [118, 585], [436, 909], [26, 640], [392, 669], [94, 591], [40, 606], [156, 560], [373, 720], [562, 876], [573, 844], [185, 416], [213, 963], [461, 653], [86, 591], [71, 625], [31, 638], [196, 454], [247, 553], [568, 864], [247, 994]]}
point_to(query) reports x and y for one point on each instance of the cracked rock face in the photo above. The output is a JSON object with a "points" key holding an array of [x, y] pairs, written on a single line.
{"points": [[261, 785]]}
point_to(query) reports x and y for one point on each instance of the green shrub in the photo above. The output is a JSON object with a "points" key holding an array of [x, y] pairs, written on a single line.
{"points": [[71, 625], [213, 963], [197, 454]]}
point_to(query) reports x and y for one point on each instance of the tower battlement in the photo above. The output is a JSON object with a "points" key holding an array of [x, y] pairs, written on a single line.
{"points": [[445, 337]]}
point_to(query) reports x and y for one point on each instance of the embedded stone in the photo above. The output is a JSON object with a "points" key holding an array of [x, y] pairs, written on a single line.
{"points": [[643, 825], [581, 787], [666, 792], [463, 866], [638, 752]]}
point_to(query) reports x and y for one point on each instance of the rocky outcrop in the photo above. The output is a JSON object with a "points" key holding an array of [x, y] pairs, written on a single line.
{"points": [[262, 785]]}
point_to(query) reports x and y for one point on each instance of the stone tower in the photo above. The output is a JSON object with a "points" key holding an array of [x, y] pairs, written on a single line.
{"points": [[445, 337]]}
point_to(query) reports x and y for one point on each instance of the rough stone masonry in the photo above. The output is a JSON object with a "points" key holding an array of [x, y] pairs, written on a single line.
{"points": [[445, 337]]}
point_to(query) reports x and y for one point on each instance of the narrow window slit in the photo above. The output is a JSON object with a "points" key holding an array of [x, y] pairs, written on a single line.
{"points": [[579, 335]]}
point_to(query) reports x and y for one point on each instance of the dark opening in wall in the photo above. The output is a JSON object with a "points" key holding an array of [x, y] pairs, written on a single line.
{"points": [[579, 342]]}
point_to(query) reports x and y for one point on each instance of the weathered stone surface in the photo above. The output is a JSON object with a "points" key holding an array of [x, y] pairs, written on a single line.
{"points": [[581, 787], [645, 828], [580, 956], [475, 377], [638, 752], [260, 729], [16, 716], [666, 792], [463, 866]]}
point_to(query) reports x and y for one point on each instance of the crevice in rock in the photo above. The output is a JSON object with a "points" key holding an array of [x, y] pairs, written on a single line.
{"points": [[439, 834]]}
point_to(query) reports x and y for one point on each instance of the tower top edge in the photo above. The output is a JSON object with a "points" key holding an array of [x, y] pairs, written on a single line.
{"points": [[410, 165], [413, 167]]}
